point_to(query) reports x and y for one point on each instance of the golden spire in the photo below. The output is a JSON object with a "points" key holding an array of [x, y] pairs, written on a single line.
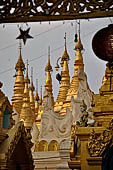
{"points": [[48, 67], [65, 56], [26, 80], [65, 78], [48, 82], [77, 65], [79, 44], [20, 64], [78, 57], [26, 112], [36, 99], [19, 83], [31, 87]]}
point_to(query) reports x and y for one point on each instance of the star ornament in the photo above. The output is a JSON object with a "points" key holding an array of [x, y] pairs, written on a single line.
{"points": [[24, 35]]}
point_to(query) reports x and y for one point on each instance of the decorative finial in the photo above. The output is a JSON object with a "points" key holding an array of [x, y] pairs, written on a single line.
{"points": [[48, 53], [48, 67], [79, 44], [40, 102], [79, 26], [20, 64], [65, 40], [65, 56], [31, 84], [36, 95], [27, 78], [76, 35]]}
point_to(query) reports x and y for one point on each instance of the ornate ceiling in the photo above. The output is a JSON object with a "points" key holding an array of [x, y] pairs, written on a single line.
{"points": [[53, 10]]}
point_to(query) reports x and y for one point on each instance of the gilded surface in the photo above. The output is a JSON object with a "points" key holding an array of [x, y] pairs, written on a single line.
{"points": [[48, 82], [26, 115], [65, 77], [45, 10], [98, 144], [45, 146], [11, 143], [103, 103], [19, 83]]}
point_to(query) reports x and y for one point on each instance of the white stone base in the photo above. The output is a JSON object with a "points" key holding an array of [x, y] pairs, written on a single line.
{"points": [[49, 160]]}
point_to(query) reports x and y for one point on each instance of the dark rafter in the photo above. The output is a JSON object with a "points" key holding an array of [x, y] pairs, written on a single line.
{"points": [[53, 10]]}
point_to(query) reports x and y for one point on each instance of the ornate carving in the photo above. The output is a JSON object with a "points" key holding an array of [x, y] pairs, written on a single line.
{"points": [[43, 10], [98, 144], [53, 146], [54, 125], [43, 145], [20, 132], [75, 142]]}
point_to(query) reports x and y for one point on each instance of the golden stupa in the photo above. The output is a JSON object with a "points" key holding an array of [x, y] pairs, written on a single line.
{"points": [[19, 83], [89, 143], [48, 87], [27, 115], [65, 80]]}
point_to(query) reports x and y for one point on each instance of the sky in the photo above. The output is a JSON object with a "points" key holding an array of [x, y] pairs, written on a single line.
{"points": [[36, 51]]}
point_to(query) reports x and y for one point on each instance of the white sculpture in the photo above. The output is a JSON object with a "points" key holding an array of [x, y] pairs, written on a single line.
{"points": [[34, 133], [54, 125], [83, 94], [76, 112]]}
